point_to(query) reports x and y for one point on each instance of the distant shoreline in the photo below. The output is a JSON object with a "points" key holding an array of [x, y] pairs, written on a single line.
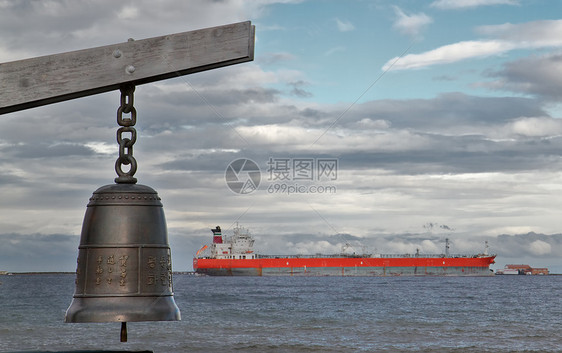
{"points": [[8, 273], [36, 273], [191, 273]]}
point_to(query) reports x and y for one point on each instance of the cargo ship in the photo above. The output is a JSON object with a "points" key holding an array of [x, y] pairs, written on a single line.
{"points": [[234, 256]]}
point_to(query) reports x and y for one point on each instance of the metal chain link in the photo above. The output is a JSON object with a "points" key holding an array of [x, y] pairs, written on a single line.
{"points": [[126, 136]]}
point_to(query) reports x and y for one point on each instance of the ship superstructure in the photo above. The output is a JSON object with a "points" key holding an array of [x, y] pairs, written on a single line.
{"points": [[238, 246], [234, 256]]}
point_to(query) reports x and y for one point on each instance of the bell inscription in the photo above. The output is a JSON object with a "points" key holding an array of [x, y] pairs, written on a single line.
{"points": [[113, 271]]}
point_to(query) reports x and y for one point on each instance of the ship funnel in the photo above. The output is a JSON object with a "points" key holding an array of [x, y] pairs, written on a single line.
{"points": [[217, 235]]}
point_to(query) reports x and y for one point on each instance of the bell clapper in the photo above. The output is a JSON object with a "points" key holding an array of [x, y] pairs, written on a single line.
{"points": [[124, 331]]}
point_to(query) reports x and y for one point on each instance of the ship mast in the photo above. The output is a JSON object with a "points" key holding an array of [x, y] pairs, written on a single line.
{"points": [[446, 247]]}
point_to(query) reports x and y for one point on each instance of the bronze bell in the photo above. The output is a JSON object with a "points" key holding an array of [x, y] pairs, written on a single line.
{"points": [[124, 270]]}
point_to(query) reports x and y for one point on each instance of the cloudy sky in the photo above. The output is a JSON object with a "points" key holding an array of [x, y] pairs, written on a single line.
{"points": [[386, 125]]}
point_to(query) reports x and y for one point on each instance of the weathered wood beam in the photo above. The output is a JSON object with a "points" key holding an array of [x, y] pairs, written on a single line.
{"points": [[55, 78]]}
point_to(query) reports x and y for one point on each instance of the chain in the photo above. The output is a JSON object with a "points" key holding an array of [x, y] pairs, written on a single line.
{"points": [[126, 136]]}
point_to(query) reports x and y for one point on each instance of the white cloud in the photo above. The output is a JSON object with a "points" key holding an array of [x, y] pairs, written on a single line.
{"points": [[429, 247], [463, 4], [101, 147], [128, 13], [273, 58], [449, 54], [294, 138], [534, 34], [410, 25], [334, 50], [379, 124], [315, 247], [536, 127], [539, 247], [507, 37], [344, 26]]}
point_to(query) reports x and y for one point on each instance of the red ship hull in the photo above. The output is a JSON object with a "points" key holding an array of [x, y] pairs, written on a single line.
{"points": [[346, 266]]}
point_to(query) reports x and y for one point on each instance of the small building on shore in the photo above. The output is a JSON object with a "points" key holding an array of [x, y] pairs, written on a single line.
{"points": [[522, 270]]}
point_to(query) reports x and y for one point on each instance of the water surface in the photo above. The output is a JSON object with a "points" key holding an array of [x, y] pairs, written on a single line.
{"points": [[303, 314]]}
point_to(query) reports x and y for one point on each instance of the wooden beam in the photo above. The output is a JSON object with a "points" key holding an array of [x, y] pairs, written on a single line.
{"points": [[55, 78]]}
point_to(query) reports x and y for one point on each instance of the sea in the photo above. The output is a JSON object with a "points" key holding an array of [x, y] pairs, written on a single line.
{"points": [[302, 314]]}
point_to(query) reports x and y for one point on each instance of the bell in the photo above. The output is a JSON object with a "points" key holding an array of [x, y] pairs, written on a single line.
{"points": [[124, 270]]}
